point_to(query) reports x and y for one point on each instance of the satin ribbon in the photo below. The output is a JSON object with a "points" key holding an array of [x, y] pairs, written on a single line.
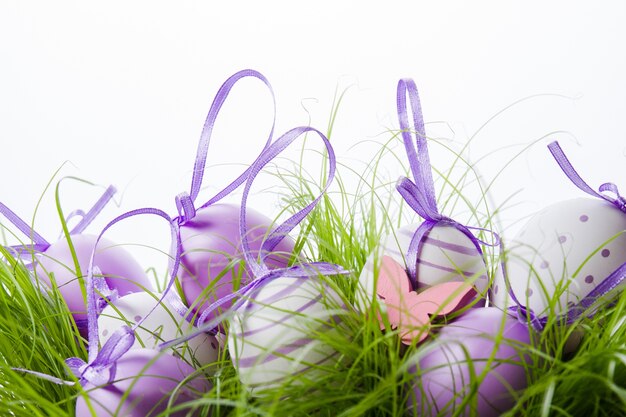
{"points": [[261, 272], [420, 194], [101, 364], [39, 243], [607, 285]]}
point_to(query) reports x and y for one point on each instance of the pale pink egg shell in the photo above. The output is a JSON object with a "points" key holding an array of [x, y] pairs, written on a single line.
{"points": [[270, 338], [120, 269], [444, 376], [149, 377], [211, 240], [445, 251], [554, 244], [161, 325]]}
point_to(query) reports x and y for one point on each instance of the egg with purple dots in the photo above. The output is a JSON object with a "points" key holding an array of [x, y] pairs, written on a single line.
{"points": [[446, 255], [563, 253], [273, 335], [483, 354], [120, 270], [211, 244], [160, 324], [146, 382]]}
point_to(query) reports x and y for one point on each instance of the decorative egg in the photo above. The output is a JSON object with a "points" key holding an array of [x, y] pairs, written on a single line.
{"points": [[562, 254], [446, 255], [119, 268], [211, 241], [144, 385], [272, 336], [161, 325], [464, 351]]}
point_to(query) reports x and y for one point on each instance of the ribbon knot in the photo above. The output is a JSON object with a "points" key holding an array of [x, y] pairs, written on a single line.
{"points": [[185, 207], [100, 370], [420, 195]]}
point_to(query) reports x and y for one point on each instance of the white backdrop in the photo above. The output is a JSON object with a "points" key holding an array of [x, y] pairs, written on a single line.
{"points": [[120, 90]]}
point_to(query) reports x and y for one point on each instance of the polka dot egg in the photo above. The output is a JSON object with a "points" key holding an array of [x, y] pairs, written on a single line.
{"points": [[562, 254], [446, 255]]}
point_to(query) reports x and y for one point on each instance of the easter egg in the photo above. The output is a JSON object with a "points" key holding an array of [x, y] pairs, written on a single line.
{"points": [[143, 386], [161, 325], [211, 241], [446, 255], [272, 336], [562, 254], [119, 268], [466, 347]]}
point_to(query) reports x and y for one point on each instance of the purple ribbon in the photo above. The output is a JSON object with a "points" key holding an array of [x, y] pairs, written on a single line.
{"points": [[101, 365], [420, 195], [262, 274], [39, 243], [607, 285]]}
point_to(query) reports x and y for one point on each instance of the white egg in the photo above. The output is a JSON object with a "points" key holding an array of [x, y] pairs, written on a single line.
{"points": [[273, 335], [162, 325], [446, 255], [562, 254]]}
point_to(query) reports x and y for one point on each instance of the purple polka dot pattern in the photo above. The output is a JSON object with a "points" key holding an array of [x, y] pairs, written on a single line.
{"points": [[544, 265], [529, 292], [562, 239], [495, 289], [605, 253], [137, 318], [584, 218], [105, 332], [589, 279]]}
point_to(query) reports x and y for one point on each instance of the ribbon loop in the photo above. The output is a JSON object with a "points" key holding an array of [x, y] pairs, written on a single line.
{"points": [[185, 207]]}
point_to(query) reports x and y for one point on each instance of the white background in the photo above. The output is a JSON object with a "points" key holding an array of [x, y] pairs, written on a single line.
{"points": [[120, 89]]}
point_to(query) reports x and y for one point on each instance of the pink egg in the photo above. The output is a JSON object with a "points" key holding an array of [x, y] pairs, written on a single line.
{"points": [[121, 271], [144, 383], [463, 348], [211, 240]]}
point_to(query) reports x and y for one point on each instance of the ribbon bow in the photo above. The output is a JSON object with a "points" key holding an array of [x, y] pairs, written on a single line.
{"points": [[262, 274], [420, 195]]}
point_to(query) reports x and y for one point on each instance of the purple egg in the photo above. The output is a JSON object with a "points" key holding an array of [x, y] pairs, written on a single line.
{"points": [[144, 382], [119, 268], [211, 240], [443, 379]]}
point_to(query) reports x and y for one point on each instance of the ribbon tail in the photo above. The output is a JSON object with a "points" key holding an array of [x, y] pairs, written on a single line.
{"points": [[94, 211]]}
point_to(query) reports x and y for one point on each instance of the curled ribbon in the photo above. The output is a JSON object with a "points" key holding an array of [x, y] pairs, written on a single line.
{"points": [[420, 195], [262, 274], [101, 364], [607, 285]]}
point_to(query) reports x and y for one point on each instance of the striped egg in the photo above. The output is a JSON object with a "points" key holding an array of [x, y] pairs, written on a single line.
{"points": [[446, 255], [273, 335], [161, 325], [564, 252]]}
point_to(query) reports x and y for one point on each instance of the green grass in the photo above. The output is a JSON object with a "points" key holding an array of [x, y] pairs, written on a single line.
{"points": [[371, 370]]}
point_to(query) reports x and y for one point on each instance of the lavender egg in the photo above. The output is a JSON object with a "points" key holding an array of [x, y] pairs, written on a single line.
{"points": [[211, 241], [272, 336], [468, 347], [119, 268], [446, 255], [562, 254], [144, 382], [160, 325]]}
